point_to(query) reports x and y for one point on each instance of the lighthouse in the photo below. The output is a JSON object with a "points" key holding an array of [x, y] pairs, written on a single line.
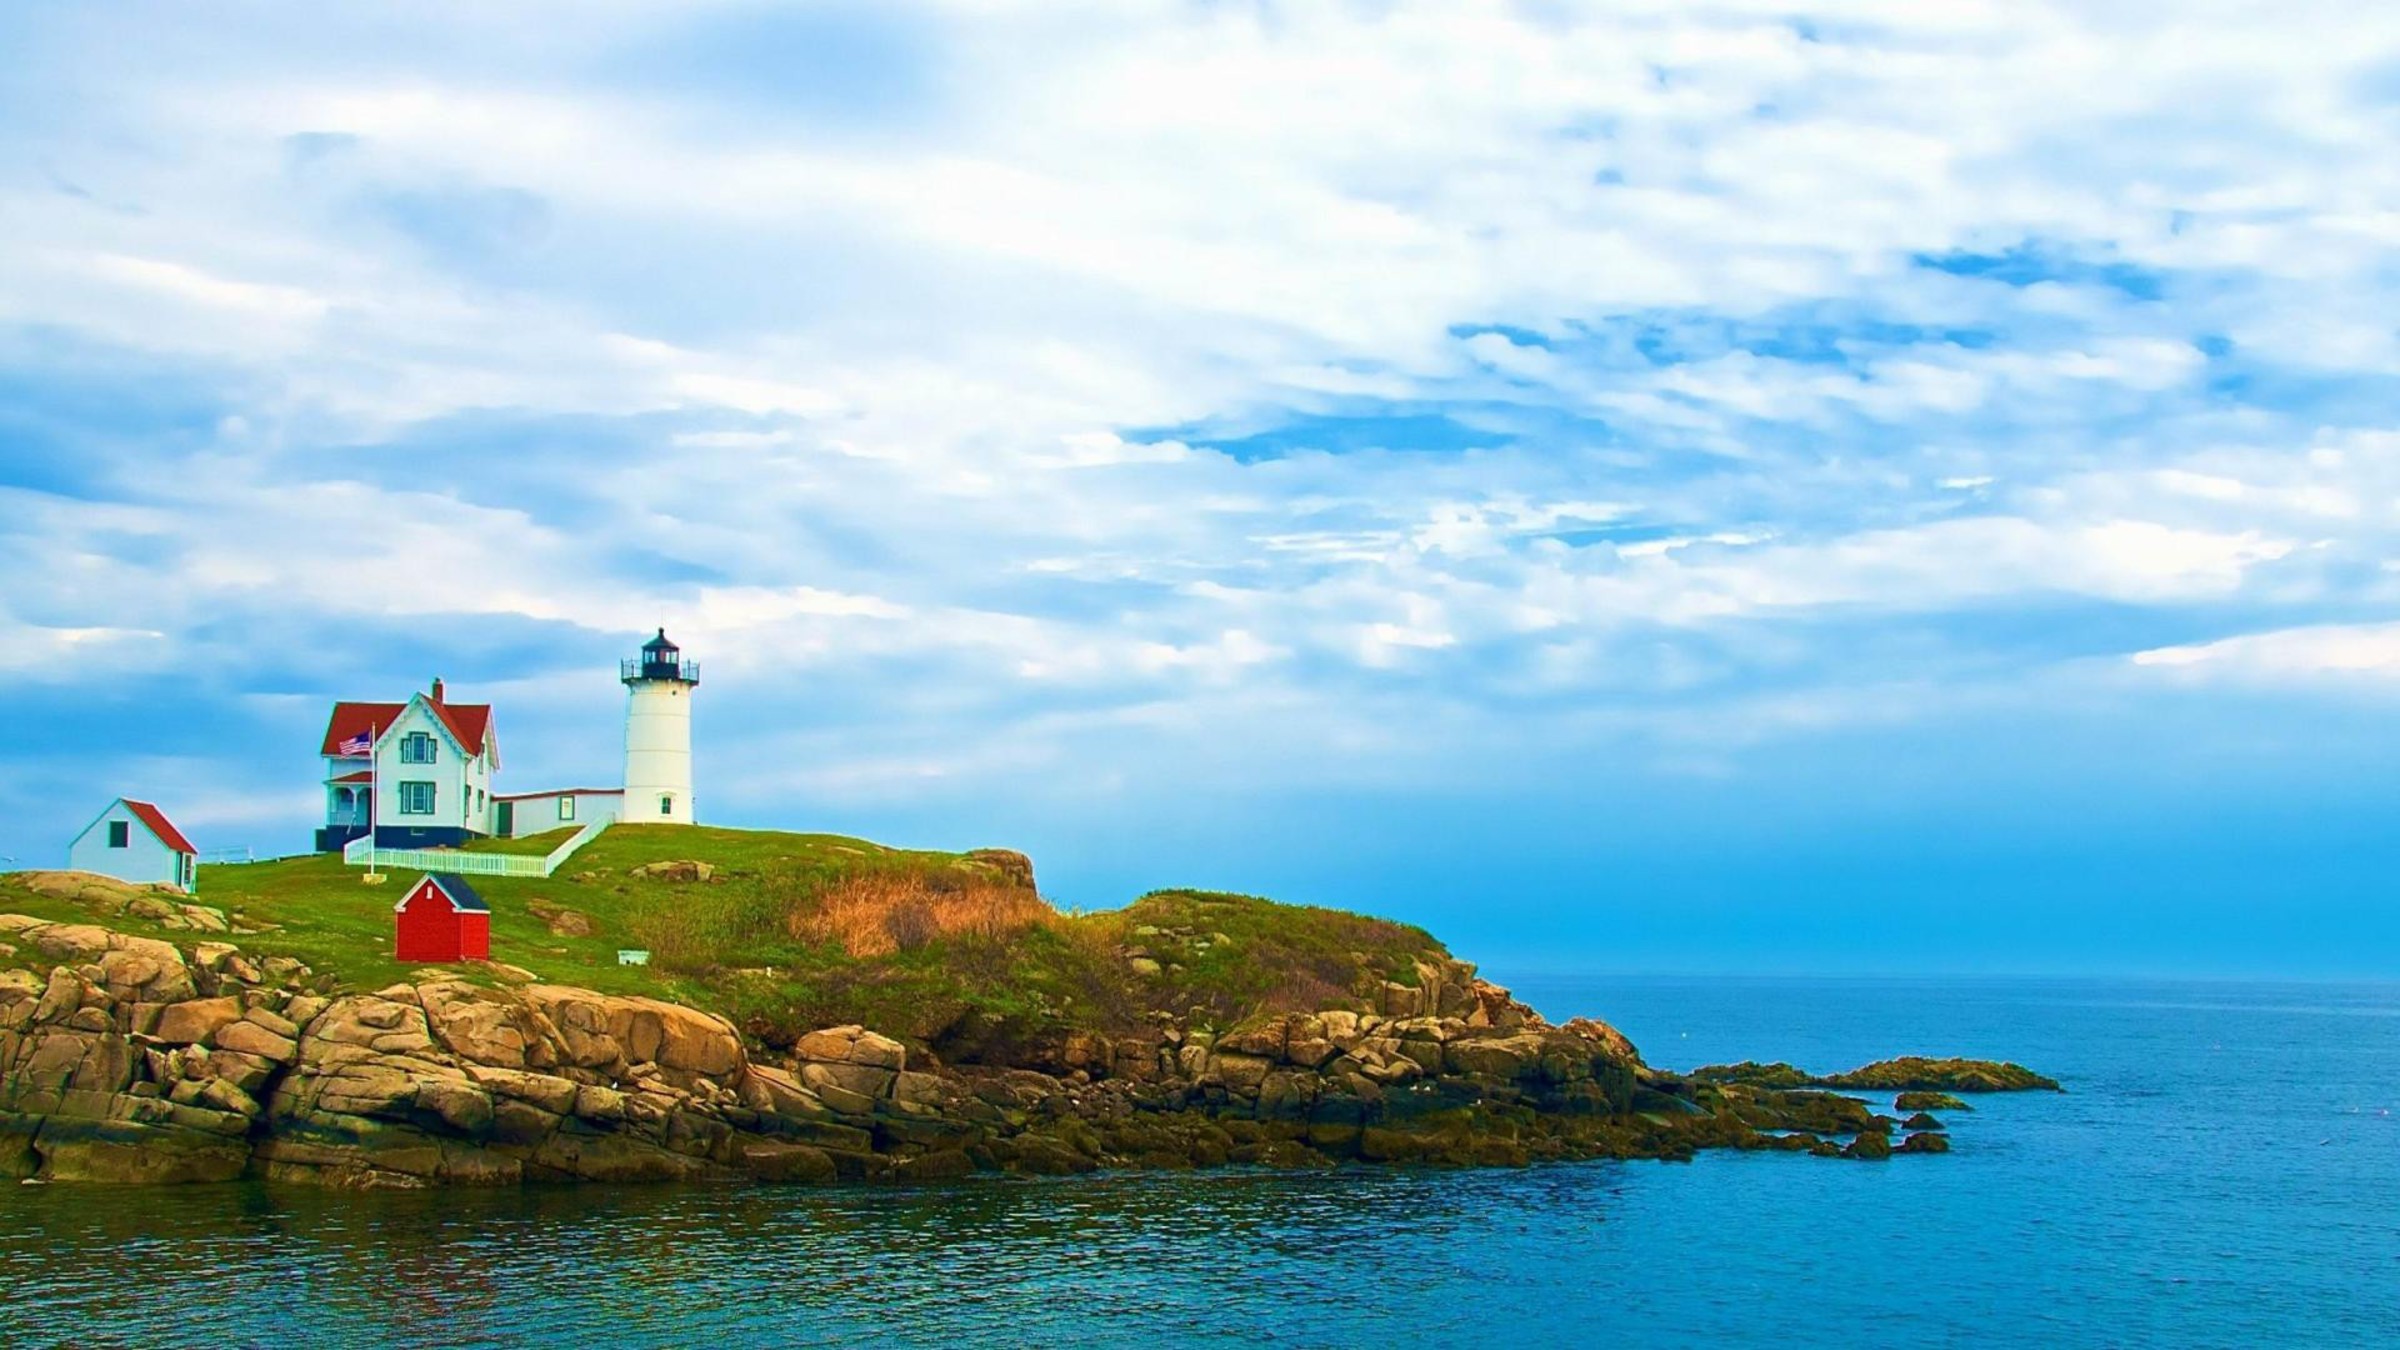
{"points": [[658, 735]]}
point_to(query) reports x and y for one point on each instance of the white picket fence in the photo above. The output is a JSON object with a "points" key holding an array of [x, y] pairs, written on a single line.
{"points": [[361, 852]]}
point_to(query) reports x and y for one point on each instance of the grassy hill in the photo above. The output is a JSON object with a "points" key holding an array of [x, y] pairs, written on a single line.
{"points": [[795, 931]]}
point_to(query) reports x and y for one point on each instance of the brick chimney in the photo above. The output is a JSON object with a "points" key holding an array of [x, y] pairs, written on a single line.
{"points": [[437, 689]]}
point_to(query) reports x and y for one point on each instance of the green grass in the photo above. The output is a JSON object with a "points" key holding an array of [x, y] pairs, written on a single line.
{"points": [[728, 944], [538, 845]]}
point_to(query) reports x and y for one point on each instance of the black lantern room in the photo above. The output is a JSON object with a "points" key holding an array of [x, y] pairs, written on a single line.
{"points": [[661, 659]]}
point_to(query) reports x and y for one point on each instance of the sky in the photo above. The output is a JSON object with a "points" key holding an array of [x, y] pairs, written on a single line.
{"points": [[1816, 489]]}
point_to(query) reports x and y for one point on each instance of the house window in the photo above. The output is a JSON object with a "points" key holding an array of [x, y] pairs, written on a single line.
{"points": [[416, 748], [666, 806], [566, 808], [416, 799], [120, 834]]}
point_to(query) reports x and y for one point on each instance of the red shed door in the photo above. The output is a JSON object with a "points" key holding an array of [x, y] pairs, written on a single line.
{"points": [[475, 937]]}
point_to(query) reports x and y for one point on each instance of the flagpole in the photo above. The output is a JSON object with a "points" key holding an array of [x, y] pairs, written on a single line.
{"points": [[372, 876]]}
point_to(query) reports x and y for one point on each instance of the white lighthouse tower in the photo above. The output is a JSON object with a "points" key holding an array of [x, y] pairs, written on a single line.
{"points": [[658, 735]]}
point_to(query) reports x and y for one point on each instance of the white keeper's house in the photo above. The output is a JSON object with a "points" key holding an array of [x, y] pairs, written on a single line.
{"points": [[419, 774]]}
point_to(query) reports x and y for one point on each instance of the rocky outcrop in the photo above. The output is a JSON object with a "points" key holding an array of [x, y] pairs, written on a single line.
{"points": [[108, 897], [1915, 1072], [1013, 867], [131, 1059], [1912, 1073]]}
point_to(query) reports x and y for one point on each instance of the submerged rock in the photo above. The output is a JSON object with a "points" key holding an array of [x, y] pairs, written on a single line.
{"points": [[1869, 1147], [1929, 1101]]}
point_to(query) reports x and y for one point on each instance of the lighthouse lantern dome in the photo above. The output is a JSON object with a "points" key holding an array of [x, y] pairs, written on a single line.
{"points": [[661, 659]]}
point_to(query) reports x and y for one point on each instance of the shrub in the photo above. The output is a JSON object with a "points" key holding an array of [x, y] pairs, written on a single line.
{"points": [[878, 913]]}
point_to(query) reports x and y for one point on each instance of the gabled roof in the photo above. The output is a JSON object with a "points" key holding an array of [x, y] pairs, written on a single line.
{"points": [[351, 720], [469, 723], [454, 888], [159, 825]]}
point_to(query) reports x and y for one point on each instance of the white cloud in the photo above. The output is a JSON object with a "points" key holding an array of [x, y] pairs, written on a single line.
{"points": [[2354, 651]]}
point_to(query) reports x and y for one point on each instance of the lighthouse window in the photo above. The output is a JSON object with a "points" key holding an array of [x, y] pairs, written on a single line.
{"points": [[666, 806]]}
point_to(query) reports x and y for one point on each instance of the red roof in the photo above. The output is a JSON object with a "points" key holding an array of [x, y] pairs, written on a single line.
{"points": [[160, 826], [558, 792], [362, 776], [468, 722]]}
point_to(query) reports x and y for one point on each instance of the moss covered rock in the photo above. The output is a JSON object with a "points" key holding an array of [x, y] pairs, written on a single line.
{"points": [[1944, 1075], [1929, 1101]]}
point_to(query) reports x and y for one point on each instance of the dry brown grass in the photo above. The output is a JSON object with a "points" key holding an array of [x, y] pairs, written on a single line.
{"points": [[878, 913]]}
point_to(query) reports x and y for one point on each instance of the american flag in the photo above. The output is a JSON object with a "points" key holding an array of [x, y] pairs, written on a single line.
{"points": [[356, 745]]}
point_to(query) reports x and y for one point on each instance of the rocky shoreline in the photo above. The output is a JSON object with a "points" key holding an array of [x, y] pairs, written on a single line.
{"points": [[134, 1059]]}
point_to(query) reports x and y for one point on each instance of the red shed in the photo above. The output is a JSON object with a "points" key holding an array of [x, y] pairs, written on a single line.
{"points": [[442, 919]]}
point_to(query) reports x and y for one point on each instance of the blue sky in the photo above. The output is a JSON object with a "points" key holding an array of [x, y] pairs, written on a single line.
{"points": [[1629, 487]]}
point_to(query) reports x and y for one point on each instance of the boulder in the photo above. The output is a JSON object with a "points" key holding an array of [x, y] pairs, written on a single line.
{"points": [[143, 970], [1611, 1041], [1503, 1059], [796, 1163], [1013, 867], [778, 1093], [680, 870], [676, 1037], [273, 1021], [1240, 1073], [583, 1023], [194, 1021], [1924, 1143], [1928, 1101], [249, 1038], [1265, 1040], [557, 1096], [245, 1071], [867, 1082], [461, 1106], [484, 1027], [851, 1044]]}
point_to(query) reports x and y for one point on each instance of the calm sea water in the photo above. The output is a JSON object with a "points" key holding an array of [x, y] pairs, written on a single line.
{"points": [[2225, 1171]]}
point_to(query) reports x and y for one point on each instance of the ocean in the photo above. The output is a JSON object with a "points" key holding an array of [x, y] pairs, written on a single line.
{"points": [[2224, 1170]]}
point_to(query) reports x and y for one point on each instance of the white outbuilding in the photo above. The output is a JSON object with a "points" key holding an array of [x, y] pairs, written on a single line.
{"points": [[134, 841], [516, 814]]}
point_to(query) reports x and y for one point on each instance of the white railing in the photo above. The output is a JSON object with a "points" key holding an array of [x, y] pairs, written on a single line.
{"points": [[574, 841], [361, 852]]}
